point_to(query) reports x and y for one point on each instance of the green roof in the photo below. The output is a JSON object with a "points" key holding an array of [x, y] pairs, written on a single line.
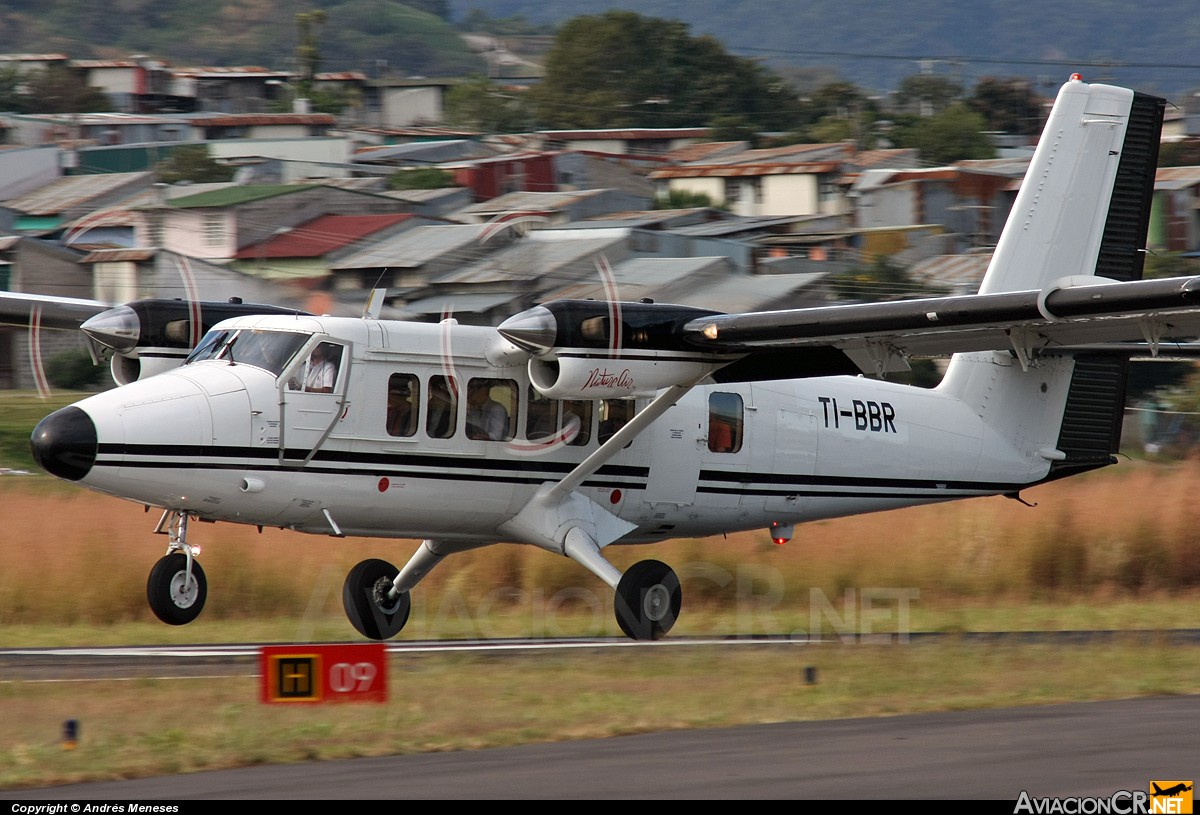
{"points": [[237, 194]]}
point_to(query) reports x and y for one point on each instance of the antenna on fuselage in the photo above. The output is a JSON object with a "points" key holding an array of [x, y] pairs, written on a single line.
{"points": [[374, 304]]}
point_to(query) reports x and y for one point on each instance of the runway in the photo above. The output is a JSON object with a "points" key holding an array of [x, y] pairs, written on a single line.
{"points": [[1109, 750]]}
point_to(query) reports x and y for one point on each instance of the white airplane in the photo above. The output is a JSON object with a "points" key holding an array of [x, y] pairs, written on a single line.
{"points": [[578, 425]]}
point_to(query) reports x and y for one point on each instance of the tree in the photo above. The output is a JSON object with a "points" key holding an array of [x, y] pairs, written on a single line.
{"points": [[307, 52], [60, 90], [479, 104], [955, 134], [1008, 106], [621, 69], [421, 178], [927, 94], [191, 162], [682, 199]]}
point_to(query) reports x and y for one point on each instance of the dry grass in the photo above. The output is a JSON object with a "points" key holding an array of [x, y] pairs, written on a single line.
{"points": [[1114, 549]]}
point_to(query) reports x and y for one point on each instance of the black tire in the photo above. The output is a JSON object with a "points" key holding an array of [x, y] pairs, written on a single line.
{"points": [[648, 600], [364, 596], [172, 598]]}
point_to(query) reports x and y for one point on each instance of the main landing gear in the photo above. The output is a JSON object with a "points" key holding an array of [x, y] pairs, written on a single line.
{"points": [[377, 600], [177, 587]]}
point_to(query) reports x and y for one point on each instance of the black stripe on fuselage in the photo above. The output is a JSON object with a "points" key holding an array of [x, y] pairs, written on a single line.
{"points": [[528, 472]]}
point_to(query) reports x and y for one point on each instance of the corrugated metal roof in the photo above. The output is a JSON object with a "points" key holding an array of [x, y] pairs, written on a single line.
{"points": [[627, 134], [961, 273], [118, 255], [1176, 178], [531, 201], [740, 293], [73, 192], [414, 248], [237, 194], [532, 259], [748, 170], [320, 236], [459, 303], [637, 278], [259, 119]]}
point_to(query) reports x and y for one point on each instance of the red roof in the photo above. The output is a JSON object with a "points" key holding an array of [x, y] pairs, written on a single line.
{"points": [[321, 235]]}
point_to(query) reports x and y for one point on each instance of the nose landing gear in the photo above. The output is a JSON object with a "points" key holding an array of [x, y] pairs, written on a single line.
{"points": [[177, 587]]}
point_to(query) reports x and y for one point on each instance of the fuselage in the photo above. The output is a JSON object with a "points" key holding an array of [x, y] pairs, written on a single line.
{"points": [[234, 435]]}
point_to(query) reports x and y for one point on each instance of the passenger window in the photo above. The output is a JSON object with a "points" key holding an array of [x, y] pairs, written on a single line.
{"points": [[578, 410], [403, 396], [541, 416], [491, 408], [725, 425], [614, 414], [441, 418]]}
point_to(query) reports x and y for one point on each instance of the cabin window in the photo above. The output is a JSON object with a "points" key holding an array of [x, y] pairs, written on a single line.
{"points": [[578, 410], [441, 416], [614, 414], [214, 230], [541, 416], [320, 369], [545, 418], [491, 408], [403, 396], [725, 423]]}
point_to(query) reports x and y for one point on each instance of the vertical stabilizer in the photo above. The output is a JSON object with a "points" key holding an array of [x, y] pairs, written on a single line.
{"points": [[1082, 213], [1084, 204]]}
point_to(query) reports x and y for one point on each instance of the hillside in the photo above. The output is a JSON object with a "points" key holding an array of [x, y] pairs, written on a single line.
{"points": [[810, 43], [374, 36], [875, 45]]}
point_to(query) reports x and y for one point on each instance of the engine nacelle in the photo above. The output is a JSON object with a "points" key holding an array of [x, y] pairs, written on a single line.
{"points": [[589, 377], [588, 349]]}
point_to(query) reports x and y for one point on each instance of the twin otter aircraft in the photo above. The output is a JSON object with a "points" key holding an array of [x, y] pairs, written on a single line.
{"points": [[577, 425]]}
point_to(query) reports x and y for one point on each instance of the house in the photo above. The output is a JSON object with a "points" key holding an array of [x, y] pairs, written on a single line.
{"points": [[232, 89], [134, 85], [407, 261], [1175, 215], [305, 251], [555, 207], [630, 141], [215, 224], [49, 209], [405, 102]]}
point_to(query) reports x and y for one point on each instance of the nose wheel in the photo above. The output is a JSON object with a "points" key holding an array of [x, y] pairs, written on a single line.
{"points": [[648, 600], [175, 591]]}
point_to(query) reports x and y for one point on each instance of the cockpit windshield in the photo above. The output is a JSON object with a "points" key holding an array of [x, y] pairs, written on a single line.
{"points": [[270, 350]]}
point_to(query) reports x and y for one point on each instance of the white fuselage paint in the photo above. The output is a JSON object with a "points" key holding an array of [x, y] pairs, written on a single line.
{"points": [[229, 443]]}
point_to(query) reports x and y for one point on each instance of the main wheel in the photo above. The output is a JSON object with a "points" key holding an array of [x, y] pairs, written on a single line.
{"points": [[365, 598], [175, 598], [648, 600]]}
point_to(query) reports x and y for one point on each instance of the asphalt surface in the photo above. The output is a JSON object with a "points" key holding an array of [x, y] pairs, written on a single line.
{"points": [[1095, 749]]}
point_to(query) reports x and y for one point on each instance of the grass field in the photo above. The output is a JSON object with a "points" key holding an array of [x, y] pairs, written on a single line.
{"points": [[1115, 549]]}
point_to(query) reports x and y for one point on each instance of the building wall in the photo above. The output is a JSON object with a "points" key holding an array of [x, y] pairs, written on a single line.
{"points": [[404, 107]]}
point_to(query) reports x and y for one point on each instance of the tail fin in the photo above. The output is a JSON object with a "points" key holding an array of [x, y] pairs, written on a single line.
{"points": [[1084, 205], [1082, 212]]}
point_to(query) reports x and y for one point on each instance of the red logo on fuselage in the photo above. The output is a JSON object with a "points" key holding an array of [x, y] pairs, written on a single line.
{"points": [[601, 378]]}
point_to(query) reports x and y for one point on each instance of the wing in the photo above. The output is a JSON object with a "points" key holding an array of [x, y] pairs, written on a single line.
{"points": [[1152, 314]]}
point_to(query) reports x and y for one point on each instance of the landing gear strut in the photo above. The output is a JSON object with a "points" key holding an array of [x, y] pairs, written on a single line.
{"points": [[177, 587]]}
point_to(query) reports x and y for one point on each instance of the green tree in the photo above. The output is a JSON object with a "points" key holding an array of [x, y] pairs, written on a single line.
{"points": [[1008, 106], [60, 90], [955, 134], [11, 96], [191, 162], [682, 199], [621, 69], [479, 104], [307, 52], [927, 94], [421, 178]]}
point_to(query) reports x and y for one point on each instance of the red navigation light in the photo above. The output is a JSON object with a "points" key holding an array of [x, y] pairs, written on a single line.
{"points": [[781, 533], [1076, 77]]}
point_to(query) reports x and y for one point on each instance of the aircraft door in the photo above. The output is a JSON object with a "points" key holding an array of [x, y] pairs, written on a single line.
{"points": [[312, 400], [790, 448], [676, 441]]}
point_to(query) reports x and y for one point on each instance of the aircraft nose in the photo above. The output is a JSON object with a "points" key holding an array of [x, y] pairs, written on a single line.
{"points": [[64, 443]]}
